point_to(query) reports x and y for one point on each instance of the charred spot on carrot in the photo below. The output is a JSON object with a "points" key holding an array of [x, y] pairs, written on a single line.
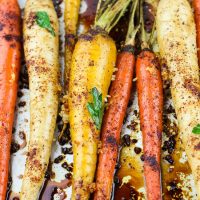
{"points": [[1, 26], [197, 147], [111, 140], [152, 162], [128, 48]]}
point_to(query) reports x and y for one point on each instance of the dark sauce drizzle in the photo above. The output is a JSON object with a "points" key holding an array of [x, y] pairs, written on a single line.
{"points": [[9, 188], [50, 188], [56, 4], [87, 18]]}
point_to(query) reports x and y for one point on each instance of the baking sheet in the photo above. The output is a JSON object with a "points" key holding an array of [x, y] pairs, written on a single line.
{"points": [[21, 127]]}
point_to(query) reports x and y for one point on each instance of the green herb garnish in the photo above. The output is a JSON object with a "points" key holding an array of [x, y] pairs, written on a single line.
{"points": [[42, 19], [96, 108], [196, 129]]}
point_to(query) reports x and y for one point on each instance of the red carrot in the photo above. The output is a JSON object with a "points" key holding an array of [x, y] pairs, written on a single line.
{"points": [[113, 119], [150, 99], [196, 5], [9, 71]]}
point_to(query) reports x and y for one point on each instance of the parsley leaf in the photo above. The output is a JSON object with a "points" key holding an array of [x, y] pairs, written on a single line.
{"points": [[196, 129], [42, 19], [96, 108]]}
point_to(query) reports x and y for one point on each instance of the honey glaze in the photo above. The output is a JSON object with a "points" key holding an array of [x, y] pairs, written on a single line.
{"points": [[53, 189], [176, 173], [128, 192], [131, 168], [129, 179], [177, 180]]}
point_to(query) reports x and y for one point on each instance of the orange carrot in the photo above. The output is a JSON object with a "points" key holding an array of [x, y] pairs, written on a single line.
{"points": [[9, 71], [196, 5], [120, 91], [112, 123], [150, 99]]}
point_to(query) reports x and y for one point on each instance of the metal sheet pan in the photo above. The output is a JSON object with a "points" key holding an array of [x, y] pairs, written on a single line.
{"points": [[184, 180]]}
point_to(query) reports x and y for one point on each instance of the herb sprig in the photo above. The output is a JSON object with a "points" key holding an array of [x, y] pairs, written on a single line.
{"points": [[196, 129], [96, 108], [42, 19]]}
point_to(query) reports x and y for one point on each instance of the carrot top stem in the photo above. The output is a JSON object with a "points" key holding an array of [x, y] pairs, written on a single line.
{"points": [[146, 43], [132, 30], [99, 8], [108, 18], [152, 38], [143, 32]]}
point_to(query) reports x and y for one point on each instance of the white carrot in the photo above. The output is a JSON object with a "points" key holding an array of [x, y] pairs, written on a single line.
{"points": [[41, 54], [177, 43]]}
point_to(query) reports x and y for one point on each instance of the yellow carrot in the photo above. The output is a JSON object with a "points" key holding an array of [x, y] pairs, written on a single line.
{"points": [[92, 66], [177, 44], [71, 19], [71, 12]]}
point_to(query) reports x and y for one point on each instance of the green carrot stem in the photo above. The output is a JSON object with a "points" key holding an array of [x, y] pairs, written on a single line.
{"points": [[132, 30], [152, 38], [111, 15], [102, 6], [98, 10], [143, 32]]}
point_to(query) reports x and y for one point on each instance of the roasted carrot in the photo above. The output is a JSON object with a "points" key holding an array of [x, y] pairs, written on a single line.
{"points": [[150, 100], [41, 49], [71, 19], [10, 34], [113, 120], [92, 67], [176, 28], [196, 6]]}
